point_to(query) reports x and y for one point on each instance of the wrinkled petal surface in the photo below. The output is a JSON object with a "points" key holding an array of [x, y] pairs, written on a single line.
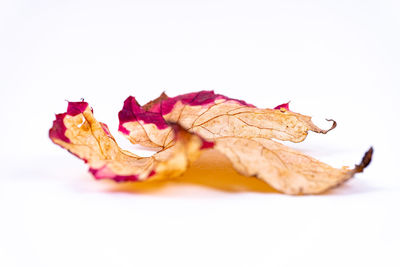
{"points": [[211, 116], [81, 134], [243, 133], [284, 168], [180, 127]]}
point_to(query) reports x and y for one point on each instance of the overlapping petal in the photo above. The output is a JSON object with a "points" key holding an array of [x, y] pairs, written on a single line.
{"points": [[182, 126], [81, 134]]}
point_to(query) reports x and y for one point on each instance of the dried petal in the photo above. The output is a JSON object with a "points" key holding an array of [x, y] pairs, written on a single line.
{"points": [[82, 135], [285, 169], [212, 116], [243, 133], [240, 131]]}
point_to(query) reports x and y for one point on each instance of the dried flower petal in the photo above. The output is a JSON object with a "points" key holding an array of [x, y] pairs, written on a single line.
{"points": [[284, 168], [211, 116], [82, 135], [182, 126], [243, 133]]}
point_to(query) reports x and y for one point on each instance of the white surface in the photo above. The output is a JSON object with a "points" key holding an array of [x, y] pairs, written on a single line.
{"points": [[335, 59]]}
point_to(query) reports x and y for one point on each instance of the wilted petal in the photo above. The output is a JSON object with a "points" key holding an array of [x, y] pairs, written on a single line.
{"points": [[82, 135]]}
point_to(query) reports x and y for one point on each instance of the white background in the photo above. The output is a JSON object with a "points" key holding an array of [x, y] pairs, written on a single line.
{"points": [[332, 59]]}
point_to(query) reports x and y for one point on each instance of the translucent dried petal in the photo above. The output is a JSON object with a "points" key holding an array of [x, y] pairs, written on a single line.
{"points": [[240, 131], [285, 169], [212, 116], [82, 135], [243, 133]]}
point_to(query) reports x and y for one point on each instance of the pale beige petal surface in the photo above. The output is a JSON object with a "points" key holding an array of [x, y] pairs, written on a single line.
{"points": [[221, 118], [244, 134], [228, 117], [285, 169]]}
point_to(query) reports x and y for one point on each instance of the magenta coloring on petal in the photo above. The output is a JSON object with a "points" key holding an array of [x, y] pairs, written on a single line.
{"points": [[207, 145], [201, 98], [58, 129], [132, 111], [285, 106], [74, 108], [105, 173]]}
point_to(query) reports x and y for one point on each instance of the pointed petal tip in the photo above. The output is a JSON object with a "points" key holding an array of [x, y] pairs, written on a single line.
{"points": [[334, 124], [366, 160]]}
